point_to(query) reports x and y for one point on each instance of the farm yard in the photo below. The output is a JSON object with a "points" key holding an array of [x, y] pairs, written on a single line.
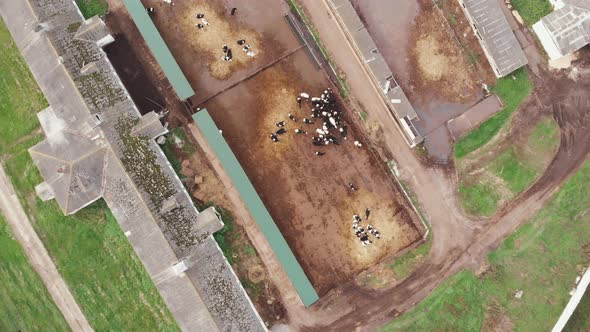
{"points": [[308, 195], [436, 60]]}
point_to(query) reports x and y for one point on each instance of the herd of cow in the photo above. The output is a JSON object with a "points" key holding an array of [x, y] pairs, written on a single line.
{"points": [[323, 110], [360, 232], [331, 131]]}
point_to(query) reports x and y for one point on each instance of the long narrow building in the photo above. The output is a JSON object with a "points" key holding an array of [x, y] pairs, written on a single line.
{"points": [[495, 36], [98, 145]]}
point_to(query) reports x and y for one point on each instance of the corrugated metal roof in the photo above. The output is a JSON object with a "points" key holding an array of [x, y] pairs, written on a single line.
{"points": [[495, 35]]}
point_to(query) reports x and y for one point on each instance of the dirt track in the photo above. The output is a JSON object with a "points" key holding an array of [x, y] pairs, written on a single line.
{"points": [[38, 256]]}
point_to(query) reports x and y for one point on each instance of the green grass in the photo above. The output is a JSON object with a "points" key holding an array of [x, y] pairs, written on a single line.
{"points": [[542, 258], [513, 93], [518, 165], [545, 136], [90, 8], [25, 304], [17, 114], [226, 234], [456, 305], [479, 199], [250, 251], [168, 149], [94, 258], [579, 320], [253, 289], [363, 115], [89, 248], [405, 264], [516, 174], [532, 11], [186, 146]]}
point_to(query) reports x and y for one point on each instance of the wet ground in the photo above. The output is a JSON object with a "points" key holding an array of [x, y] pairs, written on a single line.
{"points": [[307, 195], [458, 245], [143, 78], [144, 93], [199, 52], [427, 61]]}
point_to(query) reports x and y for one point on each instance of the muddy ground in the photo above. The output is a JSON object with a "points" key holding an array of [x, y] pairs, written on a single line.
{"points": [[199, 52], [556, 94], [439, 73], [307, 195], [205, 188], [143, 79], [457, 244]]}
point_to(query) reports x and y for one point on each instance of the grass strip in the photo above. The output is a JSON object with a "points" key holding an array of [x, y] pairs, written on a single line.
{"points": [[512, 92]]}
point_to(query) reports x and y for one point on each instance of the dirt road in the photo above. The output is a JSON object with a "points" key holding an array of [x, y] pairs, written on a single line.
{"points": [[38, 256]]}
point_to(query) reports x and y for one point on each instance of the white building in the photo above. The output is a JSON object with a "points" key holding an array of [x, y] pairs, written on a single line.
{"points": [[566, 29]]}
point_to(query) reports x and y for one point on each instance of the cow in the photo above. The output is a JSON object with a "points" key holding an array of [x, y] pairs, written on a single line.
{"points": [[281, 131], [280, 124]]}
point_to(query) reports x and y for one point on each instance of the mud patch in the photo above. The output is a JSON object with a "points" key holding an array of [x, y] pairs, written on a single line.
{"points": [[144, 93], [308, 196], [220, 31], [438, 59], [496, 320]]}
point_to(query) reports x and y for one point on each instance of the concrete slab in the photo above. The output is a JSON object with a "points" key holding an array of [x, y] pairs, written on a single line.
{"points": [[477, 114]]}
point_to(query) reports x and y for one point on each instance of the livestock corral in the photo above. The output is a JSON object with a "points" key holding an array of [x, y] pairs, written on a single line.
{"points": [[315, 176]]}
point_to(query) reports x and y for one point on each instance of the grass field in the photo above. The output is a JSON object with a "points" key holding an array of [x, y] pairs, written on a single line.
{"points": [[15, 82], [479, 199], [25, 304], [512, 170], [542, 258], [515, 172], [532, 11], [513, 93], [89, 249], [91, 8], [405, 264]]}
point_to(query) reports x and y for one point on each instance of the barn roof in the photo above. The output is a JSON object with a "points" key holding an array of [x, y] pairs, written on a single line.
{"points": [[496, 37]]}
